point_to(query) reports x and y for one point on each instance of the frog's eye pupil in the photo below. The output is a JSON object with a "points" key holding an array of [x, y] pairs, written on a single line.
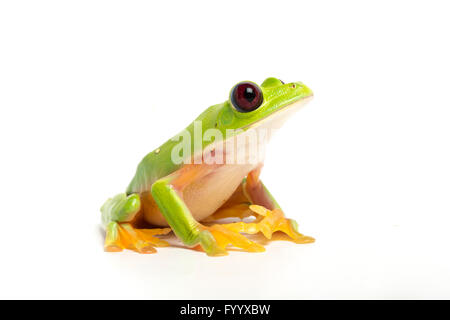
{"points": [[246, 97], [249, 94]]}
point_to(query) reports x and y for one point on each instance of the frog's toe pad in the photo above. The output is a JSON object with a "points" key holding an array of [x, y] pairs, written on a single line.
{"points": [[113, 248], [124, 236], [270, 221]]}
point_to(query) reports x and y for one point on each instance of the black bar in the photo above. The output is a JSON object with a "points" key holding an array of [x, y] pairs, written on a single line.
{"points": [[229, 309]]}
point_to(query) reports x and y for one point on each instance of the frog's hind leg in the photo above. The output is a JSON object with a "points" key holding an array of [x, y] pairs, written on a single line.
{"points": [[118, 217], [269, 216]]}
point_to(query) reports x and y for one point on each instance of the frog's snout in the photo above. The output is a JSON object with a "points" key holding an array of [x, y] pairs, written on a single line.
{"points": [[303, 90]]}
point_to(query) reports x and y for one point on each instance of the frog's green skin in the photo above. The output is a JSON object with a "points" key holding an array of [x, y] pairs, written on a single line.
{"points": [[157, 175]]}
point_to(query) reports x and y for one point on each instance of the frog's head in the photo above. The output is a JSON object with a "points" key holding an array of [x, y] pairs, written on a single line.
{"points": [[270, 104]]}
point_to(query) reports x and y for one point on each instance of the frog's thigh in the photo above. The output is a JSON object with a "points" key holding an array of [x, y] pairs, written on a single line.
{"points": [[151, 213], [257, 192]]}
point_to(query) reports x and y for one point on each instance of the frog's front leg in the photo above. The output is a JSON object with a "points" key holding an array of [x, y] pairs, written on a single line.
{"points": [[168, 194], [270, 216], [118, 213]]}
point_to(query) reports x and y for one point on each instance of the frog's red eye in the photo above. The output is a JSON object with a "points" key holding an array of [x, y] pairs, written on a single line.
{"points": [[246, 97]]}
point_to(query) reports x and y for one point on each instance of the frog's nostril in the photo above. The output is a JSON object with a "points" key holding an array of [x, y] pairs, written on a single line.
{"points": [[293, 86]]}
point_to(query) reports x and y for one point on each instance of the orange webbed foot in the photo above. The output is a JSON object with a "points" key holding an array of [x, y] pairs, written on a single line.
{"points": [[268, 222], [124, 236]]}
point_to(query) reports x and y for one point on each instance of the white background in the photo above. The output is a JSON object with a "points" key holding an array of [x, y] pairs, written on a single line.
{"points": [[87, 88]]}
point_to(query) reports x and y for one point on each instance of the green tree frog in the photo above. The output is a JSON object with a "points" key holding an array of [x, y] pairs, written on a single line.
{"points": [[207, 174]]}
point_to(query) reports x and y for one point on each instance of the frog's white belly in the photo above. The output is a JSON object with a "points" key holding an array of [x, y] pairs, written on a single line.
{"points": [[204, 196]]}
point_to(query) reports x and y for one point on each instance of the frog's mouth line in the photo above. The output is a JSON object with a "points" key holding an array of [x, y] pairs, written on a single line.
{"points": [[278, 117]]}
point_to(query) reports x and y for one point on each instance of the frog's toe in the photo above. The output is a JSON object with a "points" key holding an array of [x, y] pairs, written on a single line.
{"points": [[270, 221], [296, 236], [124, 236], [215, 239]]}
